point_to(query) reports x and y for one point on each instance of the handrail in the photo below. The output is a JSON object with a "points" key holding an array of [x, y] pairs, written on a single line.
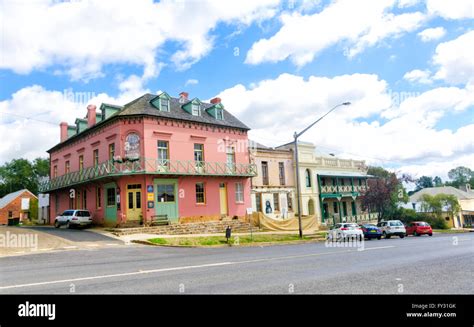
{"points": [[149, 166]]}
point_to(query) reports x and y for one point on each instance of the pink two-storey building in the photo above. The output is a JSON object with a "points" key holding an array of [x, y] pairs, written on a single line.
{"points": [[157, 156]]}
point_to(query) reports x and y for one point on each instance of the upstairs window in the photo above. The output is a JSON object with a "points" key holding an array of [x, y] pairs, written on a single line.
{"points": [[81, 163], [96, 157], [196, 109], [219, 114], [308, 177], [163, 152], [164, 105], [111, 151]]}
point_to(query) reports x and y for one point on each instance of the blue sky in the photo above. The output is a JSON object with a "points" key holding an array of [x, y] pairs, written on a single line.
{"points": [[406, 65]]}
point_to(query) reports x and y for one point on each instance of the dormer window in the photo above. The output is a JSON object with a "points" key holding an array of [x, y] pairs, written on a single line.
{"points": [[164, 105], [219, 114], [196, 109]]}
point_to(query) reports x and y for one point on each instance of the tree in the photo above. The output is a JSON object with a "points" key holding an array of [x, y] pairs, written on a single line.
{"points": [[384, 193], [21, 173], [437, 181], [460, 176], [424, 182], [41, 167], [440, 203]]}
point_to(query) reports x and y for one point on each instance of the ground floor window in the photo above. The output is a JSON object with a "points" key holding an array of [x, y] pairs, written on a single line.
{"points": [[165, 193], [200, 193], [276, 201], [110, 197], [98, 202], [10, 214], [258, 202], [335, 207], [239, 192], [354, 210], [289, 199], [325, 210]]}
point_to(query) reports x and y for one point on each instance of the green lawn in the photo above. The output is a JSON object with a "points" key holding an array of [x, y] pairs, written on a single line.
{"points": [[450, 231], [234, 240]]}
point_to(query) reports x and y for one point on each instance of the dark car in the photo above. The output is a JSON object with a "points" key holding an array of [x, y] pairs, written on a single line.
{"points": [[371, 231], [417, 228]]}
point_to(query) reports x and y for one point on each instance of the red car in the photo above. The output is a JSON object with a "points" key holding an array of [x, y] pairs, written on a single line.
{"points": [[417, 228]]}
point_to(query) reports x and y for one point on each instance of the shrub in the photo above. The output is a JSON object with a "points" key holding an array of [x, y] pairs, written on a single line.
{"points": [[409, 215]]}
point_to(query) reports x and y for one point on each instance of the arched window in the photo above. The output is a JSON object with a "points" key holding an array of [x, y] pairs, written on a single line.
{"points": [[308, 177], [132, 146]]}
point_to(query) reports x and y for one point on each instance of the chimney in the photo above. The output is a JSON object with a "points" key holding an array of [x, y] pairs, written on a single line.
{"points": [[91, 115], [183, 97], [63, 128], [216, 100]]}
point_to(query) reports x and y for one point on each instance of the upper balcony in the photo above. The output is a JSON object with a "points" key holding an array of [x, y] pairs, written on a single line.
{"points": [[325, 162], [142, 165], [343, 188]]}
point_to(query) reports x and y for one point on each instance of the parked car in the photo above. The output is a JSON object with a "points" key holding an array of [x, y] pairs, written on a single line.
{"points": [[73, 218], [345, 231], [371, 231], [392, 228], [417, 228]]}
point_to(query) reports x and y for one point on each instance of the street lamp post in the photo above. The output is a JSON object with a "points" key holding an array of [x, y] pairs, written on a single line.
{"points": [[298, 187]]}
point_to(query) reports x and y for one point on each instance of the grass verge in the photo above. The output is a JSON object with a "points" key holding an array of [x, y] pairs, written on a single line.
{"points": [[451, 231], [235, 240]]}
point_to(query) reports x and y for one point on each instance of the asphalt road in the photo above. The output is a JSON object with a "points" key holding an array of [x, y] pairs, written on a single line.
{"points": [[441, 264], [80, 234]]}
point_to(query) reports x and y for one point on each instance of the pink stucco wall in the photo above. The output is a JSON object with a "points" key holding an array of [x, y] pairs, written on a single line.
{"points": [[181, 137]]}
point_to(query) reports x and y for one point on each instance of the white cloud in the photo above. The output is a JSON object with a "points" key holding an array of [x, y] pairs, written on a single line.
{"points": [[83, 36], [453, 9], [191, 81], [355, 24], [29, 120], [407, 3], [456, 59], [432, 34], [401, 135], [418, 76], [438, 168]]}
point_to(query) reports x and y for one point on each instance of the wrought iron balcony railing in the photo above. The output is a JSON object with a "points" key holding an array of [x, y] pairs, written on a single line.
{"points": [[343, 188], [112, 168]]}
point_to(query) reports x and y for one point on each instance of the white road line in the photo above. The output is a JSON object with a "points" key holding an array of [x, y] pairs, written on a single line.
{"points": [[141, 272], [114, 275], [70, 247]]}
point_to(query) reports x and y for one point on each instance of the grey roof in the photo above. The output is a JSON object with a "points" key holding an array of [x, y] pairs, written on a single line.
{"points": [[460, 194], [256, 145], [10, 197], [142, 106]]}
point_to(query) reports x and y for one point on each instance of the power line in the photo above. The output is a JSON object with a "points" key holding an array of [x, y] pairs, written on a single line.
{"points": [[30, 118]]}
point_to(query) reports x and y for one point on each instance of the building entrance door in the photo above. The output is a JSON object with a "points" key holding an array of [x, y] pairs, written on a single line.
{"points": [[134, 202], [223, 198]]}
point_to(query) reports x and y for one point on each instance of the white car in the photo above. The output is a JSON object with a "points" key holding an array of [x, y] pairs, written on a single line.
{"points": [[345, 231], [392, 228], [73, 218]]}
